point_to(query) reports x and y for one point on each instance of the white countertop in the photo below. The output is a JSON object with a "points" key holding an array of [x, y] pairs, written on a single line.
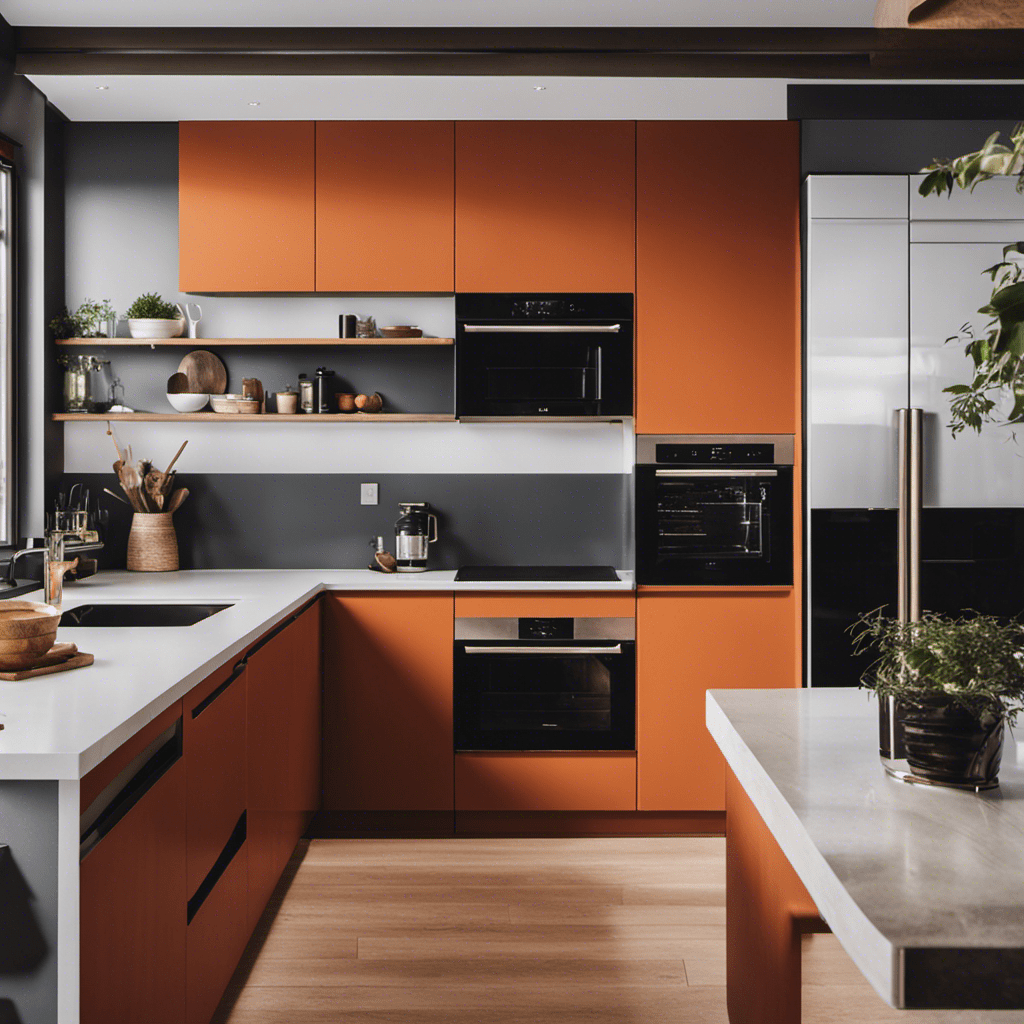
{"points": [[61, 726], [921, 885]]}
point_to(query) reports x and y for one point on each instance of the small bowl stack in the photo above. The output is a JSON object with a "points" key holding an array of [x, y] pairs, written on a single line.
{"points": [[28, 629]]}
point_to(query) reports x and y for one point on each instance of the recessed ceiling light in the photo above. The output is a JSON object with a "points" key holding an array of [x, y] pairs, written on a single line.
{"points": [[102, 88], [539, 88], [254, 103]]}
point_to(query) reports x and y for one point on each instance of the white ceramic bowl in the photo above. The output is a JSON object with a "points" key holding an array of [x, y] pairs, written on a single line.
{"points": [[188, 403], [156, 328]]}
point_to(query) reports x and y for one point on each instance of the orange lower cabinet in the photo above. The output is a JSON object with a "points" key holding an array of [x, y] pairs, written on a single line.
{"points": [[388, 702], [216, 939], [687, 644], [545, 782]]}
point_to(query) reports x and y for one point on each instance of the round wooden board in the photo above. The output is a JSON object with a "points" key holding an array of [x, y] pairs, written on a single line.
{"points": [[207, 374]]}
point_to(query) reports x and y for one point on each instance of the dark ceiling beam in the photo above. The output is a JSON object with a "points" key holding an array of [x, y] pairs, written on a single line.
{"points": [[613, 52]]}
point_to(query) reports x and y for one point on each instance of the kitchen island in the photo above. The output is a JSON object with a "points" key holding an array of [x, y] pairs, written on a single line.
{"points": [[922, 886], [60, 728]]}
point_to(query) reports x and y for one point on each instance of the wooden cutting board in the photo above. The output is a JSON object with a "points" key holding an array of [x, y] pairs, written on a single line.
{"points": [[60, 658], [207, 374]]}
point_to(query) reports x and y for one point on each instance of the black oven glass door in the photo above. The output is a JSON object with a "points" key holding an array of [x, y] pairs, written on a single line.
{"points": [[539, 696], [535, 370], [723, 525]]}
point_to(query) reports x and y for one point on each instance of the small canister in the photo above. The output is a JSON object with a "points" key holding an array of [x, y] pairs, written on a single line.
{"points": [[305, 393], [287, 402]]}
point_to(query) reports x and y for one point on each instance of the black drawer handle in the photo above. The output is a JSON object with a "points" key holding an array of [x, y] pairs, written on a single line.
{"points": [[211, 697], [220, 865]]}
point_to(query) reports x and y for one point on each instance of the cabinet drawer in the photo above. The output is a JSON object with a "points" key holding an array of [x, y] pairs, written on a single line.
{"points": [[565, 605], [216, 939], [214, 739], [545, 782]]}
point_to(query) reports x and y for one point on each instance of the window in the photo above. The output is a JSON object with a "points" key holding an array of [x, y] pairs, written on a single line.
{"points": [[6, 354]]}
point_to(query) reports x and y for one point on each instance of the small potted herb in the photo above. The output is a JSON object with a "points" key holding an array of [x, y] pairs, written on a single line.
{"points": [[958, 681], [90, 320], [150, 317]]}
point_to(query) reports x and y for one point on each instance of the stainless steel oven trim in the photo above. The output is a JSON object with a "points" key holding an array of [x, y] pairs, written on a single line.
{"points": [[590, 628], [715, 472], [542, 328], [646, 444], [542, 652]]}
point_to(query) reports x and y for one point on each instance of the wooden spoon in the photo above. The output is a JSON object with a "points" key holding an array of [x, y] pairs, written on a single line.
{"points": [[176, 499]]}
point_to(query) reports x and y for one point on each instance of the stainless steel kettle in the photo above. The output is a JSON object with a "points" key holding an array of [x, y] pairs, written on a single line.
{"points": [[415, 531]]}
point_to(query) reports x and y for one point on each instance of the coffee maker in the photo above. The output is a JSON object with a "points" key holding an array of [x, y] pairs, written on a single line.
{"points": [[415, 531]]}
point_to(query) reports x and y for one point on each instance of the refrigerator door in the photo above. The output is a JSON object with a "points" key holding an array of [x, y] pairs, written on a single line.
{"points": [[947, 288], [857, 351]]}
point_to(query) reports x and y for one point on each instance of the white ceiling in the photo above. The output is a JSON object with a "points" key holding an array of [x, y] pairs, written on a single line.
{"points": [[298, 13], [362, 98]]}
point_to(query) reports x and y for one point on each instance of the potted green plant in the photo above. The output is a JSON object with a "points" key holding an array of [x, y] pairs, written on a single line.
{"points": [[956, 681], [150, 317], [90, 320]]}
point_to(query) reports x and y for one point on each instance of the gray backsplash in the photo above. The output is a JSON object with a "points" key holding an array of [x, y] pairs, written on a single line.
{"points": [[296, 521]]}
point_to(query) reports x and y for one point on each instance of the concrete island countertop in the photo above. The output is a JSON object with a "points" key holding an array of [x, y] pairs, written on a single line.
{"points": [[61, 726], [924, 887]]}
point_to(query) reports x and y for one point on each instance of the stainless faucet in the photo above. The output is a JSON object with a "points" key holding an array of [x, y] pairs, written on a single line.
{"points": [[9, 580]]}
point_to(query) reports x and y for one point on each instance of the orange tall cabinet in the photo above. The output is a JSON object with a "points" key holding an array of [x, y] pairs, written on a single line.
{"points": [[246, 206], [545, 206], [385, 206], [387, 735], [717, 277]]}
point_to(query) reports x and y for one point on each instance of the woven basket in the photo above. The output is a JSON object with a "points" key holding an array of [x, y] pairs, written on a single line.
{"points": [[152, 544]]}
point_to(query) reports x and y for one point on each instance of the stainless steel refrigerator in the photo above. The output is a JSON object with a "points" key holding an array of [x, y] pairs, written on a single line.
{"points": [[900, 513]]}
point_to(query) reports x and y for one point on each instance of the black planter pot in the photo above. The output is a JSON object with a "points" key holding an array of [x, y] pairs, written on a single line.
{"points": [[948, 746]]}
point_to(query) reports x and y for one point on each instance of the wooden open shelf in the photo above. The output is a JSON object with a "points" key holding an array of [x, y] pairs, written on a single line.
{"points": [[249, 342], [270, 417]]}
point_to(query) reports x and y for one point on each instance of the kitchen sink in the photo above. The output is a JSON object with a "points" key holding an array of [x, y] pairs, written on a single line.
{"points": [[139, 614]]}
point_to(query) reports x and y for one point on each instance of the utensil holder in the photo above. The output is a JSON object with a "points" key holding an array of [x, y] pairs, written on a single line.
{"points": [[152, 543]]}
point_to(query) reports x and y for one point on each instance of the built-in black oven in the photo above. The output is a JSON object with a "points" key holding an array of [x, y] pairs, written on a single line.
{"points": [[546, 355], [714, 510], [545, 684]]}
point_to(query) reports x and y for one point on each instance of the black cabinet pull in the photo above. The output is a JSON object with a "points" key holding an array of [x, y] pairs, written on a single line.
{"points": [[211, 697], [220, 865]]}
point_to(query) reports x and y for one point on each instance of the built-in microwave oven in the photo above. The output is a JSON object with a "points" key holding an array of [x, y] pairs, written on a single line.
{"points": [[545, 684], [714, 509], [544, 355]]}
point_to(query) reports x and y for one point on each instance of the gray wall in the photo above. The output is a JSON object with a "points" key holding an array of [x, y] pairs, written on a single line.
{"points": [[28, 903]]}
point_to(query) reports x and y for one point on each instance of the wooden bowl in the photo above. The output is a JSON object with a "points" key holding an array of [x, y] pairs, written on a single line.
{"points": [[23, 653], [20, 619], [401, 331], [225, 403]]}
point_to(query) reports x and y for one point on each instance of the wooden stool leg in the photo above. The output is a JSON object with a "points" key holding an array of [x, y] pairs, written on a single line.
{"points": [[767, 909]]}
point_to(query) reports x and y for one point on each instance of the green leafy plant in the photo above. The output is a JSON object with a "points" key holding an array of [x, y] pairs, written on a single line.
{"points": [[998, 357], [85, 322], [151, 306], [975, 661]]}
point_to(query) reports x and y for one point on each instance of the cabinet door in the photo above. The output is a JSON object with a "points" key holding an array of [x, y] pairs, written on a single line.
{"points": [[214, 727], [689, 643], [545, 206], [133, 901], [388, 742], [246, 206], [718, 272], [385, 206], [284, 686]]}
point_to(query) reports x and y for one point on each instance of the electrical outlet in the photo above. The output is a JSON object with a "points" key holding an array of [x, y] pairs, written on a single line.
{"points": [[367, 494]]}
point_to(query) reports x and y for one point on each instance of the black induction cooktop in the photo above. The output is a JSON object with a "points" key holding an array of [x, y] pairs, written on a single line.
{"points": [[536, 574]]}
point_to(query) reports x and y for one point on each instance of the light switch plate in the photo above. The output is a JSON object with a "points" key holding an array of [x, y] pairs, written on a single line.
{"points": [[367, 494]]}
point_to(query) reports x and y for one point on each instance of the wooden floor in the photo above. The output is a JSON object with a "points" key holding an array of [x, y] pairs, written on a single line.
{"points": [[495, 931]]}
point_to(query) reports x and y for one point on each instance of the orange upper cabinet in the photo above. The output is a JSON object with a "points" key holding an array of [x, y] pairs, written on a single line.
{"points": [[545, 206], [718, 272], [687, 644], [246, 206], [385, 206]]}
